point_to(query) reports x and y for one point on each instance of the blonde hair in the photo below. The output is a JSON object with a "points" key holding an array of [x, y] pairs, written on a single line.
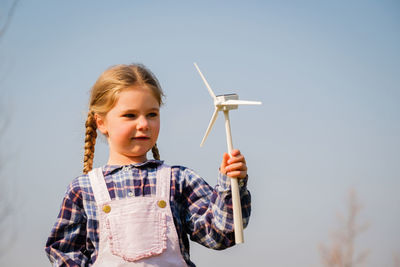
{"points": [[104, 95]]}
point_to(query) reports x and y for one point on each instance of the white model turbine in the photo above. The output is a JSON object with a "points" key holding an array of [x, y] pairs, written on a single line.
{"points": [[225, 103]]}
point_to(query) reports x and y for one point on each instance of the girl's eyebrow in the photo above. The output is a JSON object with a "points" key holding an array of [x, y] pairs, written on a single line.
{"points": [[136, 110]]}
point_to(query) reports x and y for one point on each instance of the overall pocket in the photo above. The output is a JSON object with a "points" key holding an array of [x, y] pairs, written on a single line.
{"points": [[136, 236]]}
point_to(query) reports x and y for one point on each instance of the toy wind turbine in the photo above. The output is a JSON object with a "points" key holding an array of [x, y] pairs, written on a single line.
{"points": [[225, 103]]}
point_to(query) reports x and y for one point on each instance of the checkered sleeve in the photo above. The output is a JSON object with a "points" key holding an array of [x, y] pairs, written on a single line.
{"points": [[66, 243], [209, 213]]}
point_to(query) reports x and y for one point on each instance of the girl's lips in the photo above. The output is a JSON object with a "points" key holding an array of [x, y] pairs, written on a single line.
{"points": [[141, 138]]}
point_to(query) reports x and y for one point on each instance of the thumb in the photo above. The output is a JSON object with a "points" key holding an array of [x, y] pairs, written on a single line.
{"points": [[224, 163]]}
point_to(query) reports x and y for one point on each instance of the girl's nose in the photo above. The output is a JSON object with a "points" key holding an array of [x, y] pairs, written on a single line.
{"points": [[142, 124]]}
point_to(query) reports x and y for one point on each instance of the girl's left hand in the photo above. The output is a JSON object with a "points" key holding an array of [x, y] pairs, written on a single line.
{"points": [[234, 166]]}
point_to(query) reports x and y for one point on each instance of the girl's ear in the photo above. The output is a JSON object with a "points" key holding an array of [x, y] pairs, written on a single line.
{"points": [[101, 124]]}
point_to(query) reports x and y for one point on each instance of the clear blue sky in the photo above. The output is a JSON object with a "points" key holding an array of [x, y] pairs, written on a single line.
{"points": [[327, 72]]}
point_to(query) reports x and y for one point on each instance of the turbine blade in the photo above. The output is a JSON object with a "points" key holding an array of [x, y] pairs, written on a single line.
{"points": [[210, 125], [205, 81], [239, 102]]}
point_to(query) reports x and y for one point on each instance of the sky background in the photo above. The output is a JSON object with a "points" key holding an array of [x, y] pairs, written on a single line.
{"points": [[327, 72]]}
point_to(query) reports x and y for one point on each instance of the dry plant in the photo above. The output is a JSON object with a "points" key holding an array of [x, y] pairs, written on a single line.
{"points": [[342, 251], [396, 260]]}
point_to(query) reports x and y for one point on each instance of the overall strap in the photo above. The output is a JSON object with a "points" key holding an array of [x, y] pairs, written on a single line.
{"points": [[163, 181], [99, 186]]}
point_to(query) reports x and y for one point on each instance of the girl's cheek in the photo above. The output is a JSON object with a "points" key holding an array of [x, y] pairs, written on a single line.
{"points": [[126, 131], [156, 125]]}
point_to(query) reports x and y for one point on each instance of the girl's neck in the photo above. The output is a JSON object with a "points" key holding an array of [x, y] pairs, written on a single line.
{"points": [[118, 160]]}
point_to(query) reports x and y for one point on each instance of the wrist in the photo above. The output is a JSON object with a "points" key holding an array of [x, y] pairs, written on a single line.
{"points": [[224, 182]]}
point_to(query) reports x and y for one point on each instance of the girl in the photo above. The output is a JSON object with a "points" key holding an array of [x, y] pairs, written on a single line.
{"points": [[134, 211]]}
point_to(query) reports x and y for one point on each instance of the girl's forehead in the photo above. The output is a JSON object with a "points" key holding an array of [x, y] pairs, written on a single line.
{"points": [[135, 97]]}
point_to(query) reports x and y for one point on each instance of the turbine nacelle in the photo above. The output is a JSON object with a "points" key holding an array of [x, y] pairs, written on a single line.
{"points": [[221, 101]]}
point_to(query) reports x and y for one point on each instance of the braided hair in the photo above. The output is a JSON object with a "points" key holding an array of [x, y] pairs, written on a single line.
{"points": [[90, 141], [156, 153]]}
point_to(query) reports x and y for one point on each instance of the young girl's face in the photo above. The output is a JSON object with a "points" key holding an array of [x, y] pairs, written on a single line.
{"points": [[131, 126]]}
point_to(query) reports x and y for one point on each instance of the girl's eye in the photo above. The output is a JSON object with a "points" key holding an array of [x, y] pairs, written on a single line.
{"points": [[129, 115], [153, 114]]}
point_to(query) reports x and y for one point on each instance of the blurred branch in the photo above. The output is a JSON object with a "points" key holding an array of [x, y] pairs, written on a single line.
{"points": [[341, 253], [9, 16], [6, 211]]}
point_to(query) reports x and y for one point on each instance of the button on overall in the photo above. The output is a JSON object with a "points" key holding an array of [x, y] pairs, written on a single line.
{"points": [[162, 204], [106, 208]]}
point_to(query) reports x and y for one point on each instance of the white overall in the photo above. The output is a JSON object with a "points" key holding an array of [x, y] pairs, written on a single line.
{"points": [[136, 231]]}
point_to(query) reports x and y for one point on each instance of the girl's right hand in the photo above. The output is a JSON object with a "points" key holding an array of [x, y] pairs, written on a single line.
{"points": [[234, 166]]}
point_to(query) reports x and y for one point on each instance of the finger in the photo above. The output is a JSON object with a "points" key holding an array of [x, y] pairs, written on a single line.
{"points": [[239, 158], [235, 152], [240, 166]]}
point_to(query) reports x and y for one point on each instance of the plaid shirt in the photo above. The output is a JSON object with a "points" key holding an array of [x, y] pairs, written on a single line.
{"points": [[201, 212]]}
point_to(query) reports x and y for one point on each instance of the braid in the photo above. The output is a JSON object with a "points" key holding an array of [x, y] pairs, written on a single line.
{"points": [[90, 141], [156, 153]]}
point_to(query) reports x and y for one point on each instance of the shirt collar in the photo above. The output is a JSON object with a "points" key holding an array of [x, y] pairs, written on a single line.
{"points": [[109, 169]]}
